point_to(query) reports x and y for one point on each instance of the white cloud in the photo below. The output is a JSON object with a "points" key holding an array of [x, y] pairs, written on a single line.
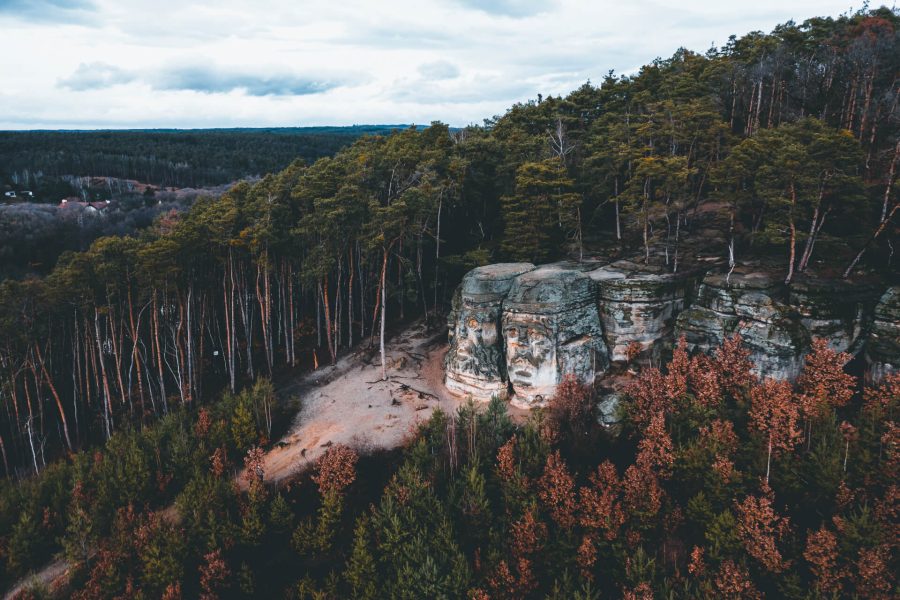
{"points": [[177, 63]]}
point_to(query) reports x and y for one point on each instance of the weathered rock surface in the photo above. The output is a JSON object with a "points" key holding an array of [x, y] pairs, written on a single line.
{"points": [[883, 347], [746, 303], [608, 413], [551, 328], [839, 311], [520, 329], [475, 363], [639, 304], [777, 323]]}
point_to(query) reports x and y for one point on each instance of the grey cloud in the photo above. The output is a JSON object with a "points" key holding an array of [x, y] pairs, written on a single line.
{"points": [[47, 10], [204, 79], [96, 75], [508, 8], [440, 69], [401, 37], [211, 80]]}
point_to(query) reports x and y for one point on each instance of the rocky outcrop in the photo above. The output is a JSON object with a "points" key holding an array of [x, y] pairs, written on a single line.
{"points": [[519, 329], [776, 323], [883, 346], [839, 311], [475, 362], [639, 304], [551, 328], [746, 303]]}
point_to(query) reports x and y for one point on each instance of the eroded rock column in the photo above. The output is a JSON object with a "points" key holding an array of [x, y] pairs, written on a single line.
{"points": [[551, 328], [475, 362], [639, 304]]}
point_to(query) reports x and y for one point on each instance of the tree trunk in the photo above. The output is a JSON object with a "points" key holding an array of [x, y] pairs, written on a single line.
{"points": [[55, 394], [793, 240], [105, 379], [383, 312]]}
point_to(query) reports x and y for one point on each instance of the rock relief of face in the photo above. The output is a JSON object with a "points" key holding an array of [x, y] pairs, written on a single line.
{"points": [[477, 336], [529, 348]]}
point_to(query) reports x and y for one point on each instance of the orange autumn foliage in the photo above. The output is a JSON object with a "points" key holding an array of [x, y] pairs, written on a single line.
{"points": [[703, 379], [528, 535], [761, 528], [774, 412], [336, 469], [733, 583], [599, 506], [874, 579], [556, 489], [821, 554], [213, 575], [649, 396], [733, 365], [822, 383], [655, 450]]}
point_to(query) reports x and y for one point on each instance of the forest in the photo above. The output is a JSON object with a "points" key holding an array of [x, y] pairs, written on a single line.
{"points": [[136, 373], [32, 160]]}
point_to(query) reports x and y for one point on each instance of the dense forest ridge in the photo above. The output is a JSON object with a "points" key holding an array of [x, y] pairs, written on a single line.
{"points": [[518, 331]]}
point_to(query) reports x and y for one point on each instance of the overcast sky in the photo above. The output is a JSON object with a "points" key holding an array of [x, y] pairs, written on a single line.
{"points": [[178, 63]]}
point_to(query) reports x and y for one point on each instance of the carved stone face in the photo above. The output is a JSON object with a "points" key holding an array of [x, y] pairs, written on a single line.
{"points": [[475, 360], [531, 355], [477, 333]]}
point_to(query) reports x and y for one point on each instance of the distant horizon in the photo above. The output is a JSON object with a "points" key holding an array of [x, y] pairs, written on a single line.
{"points": [[249, 127], [119, 66]]}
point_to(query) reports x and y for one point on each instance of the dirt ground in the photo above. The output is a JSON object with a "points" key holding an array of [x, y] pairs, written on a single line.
{"points": [[350, 404]]}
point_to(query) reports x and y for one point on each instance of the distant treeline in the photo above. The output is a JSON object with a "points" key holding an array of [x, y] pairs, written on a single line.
{"points": [[168, 157]]}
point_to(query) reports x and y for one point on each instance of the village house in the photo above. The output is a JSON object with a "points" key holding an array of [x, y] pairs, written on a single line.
{"points": [[93, 207]]}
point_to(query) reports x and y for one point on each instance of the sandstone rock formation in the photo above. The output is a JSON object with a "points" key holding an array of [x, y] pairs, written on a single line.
{"points": [[639, 304], [551, 328], [883, 346], [746, 303], [519, 329], [476, 363], [777, 323]]}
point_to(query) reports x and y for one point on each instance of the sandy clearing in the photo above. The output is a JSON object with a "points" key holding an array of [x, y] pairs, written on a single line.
{"points": [[349, 404]]}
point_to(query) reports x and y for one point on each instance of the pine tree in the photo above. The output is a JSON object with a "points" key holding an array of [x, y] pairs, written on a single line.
{"points": [[361, 572]]}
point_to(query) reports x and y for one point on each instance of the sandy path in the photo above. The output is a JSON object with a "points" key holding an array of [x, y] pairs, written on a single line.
{"points": [[51, 578], [349, 404]]}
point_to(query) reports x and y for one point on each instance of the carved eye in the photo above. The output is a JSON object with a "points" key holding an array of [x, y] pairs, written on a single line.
{"points": [[473, 323], [512, 333]]}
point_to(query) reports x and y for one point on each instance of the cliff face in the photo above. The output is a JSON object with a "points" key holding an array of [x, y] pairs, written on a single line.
{"points": [[777, 322], [519, 329], [746, 304], [883, 347], [476, 362], [551, 328], [639, 304]]}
